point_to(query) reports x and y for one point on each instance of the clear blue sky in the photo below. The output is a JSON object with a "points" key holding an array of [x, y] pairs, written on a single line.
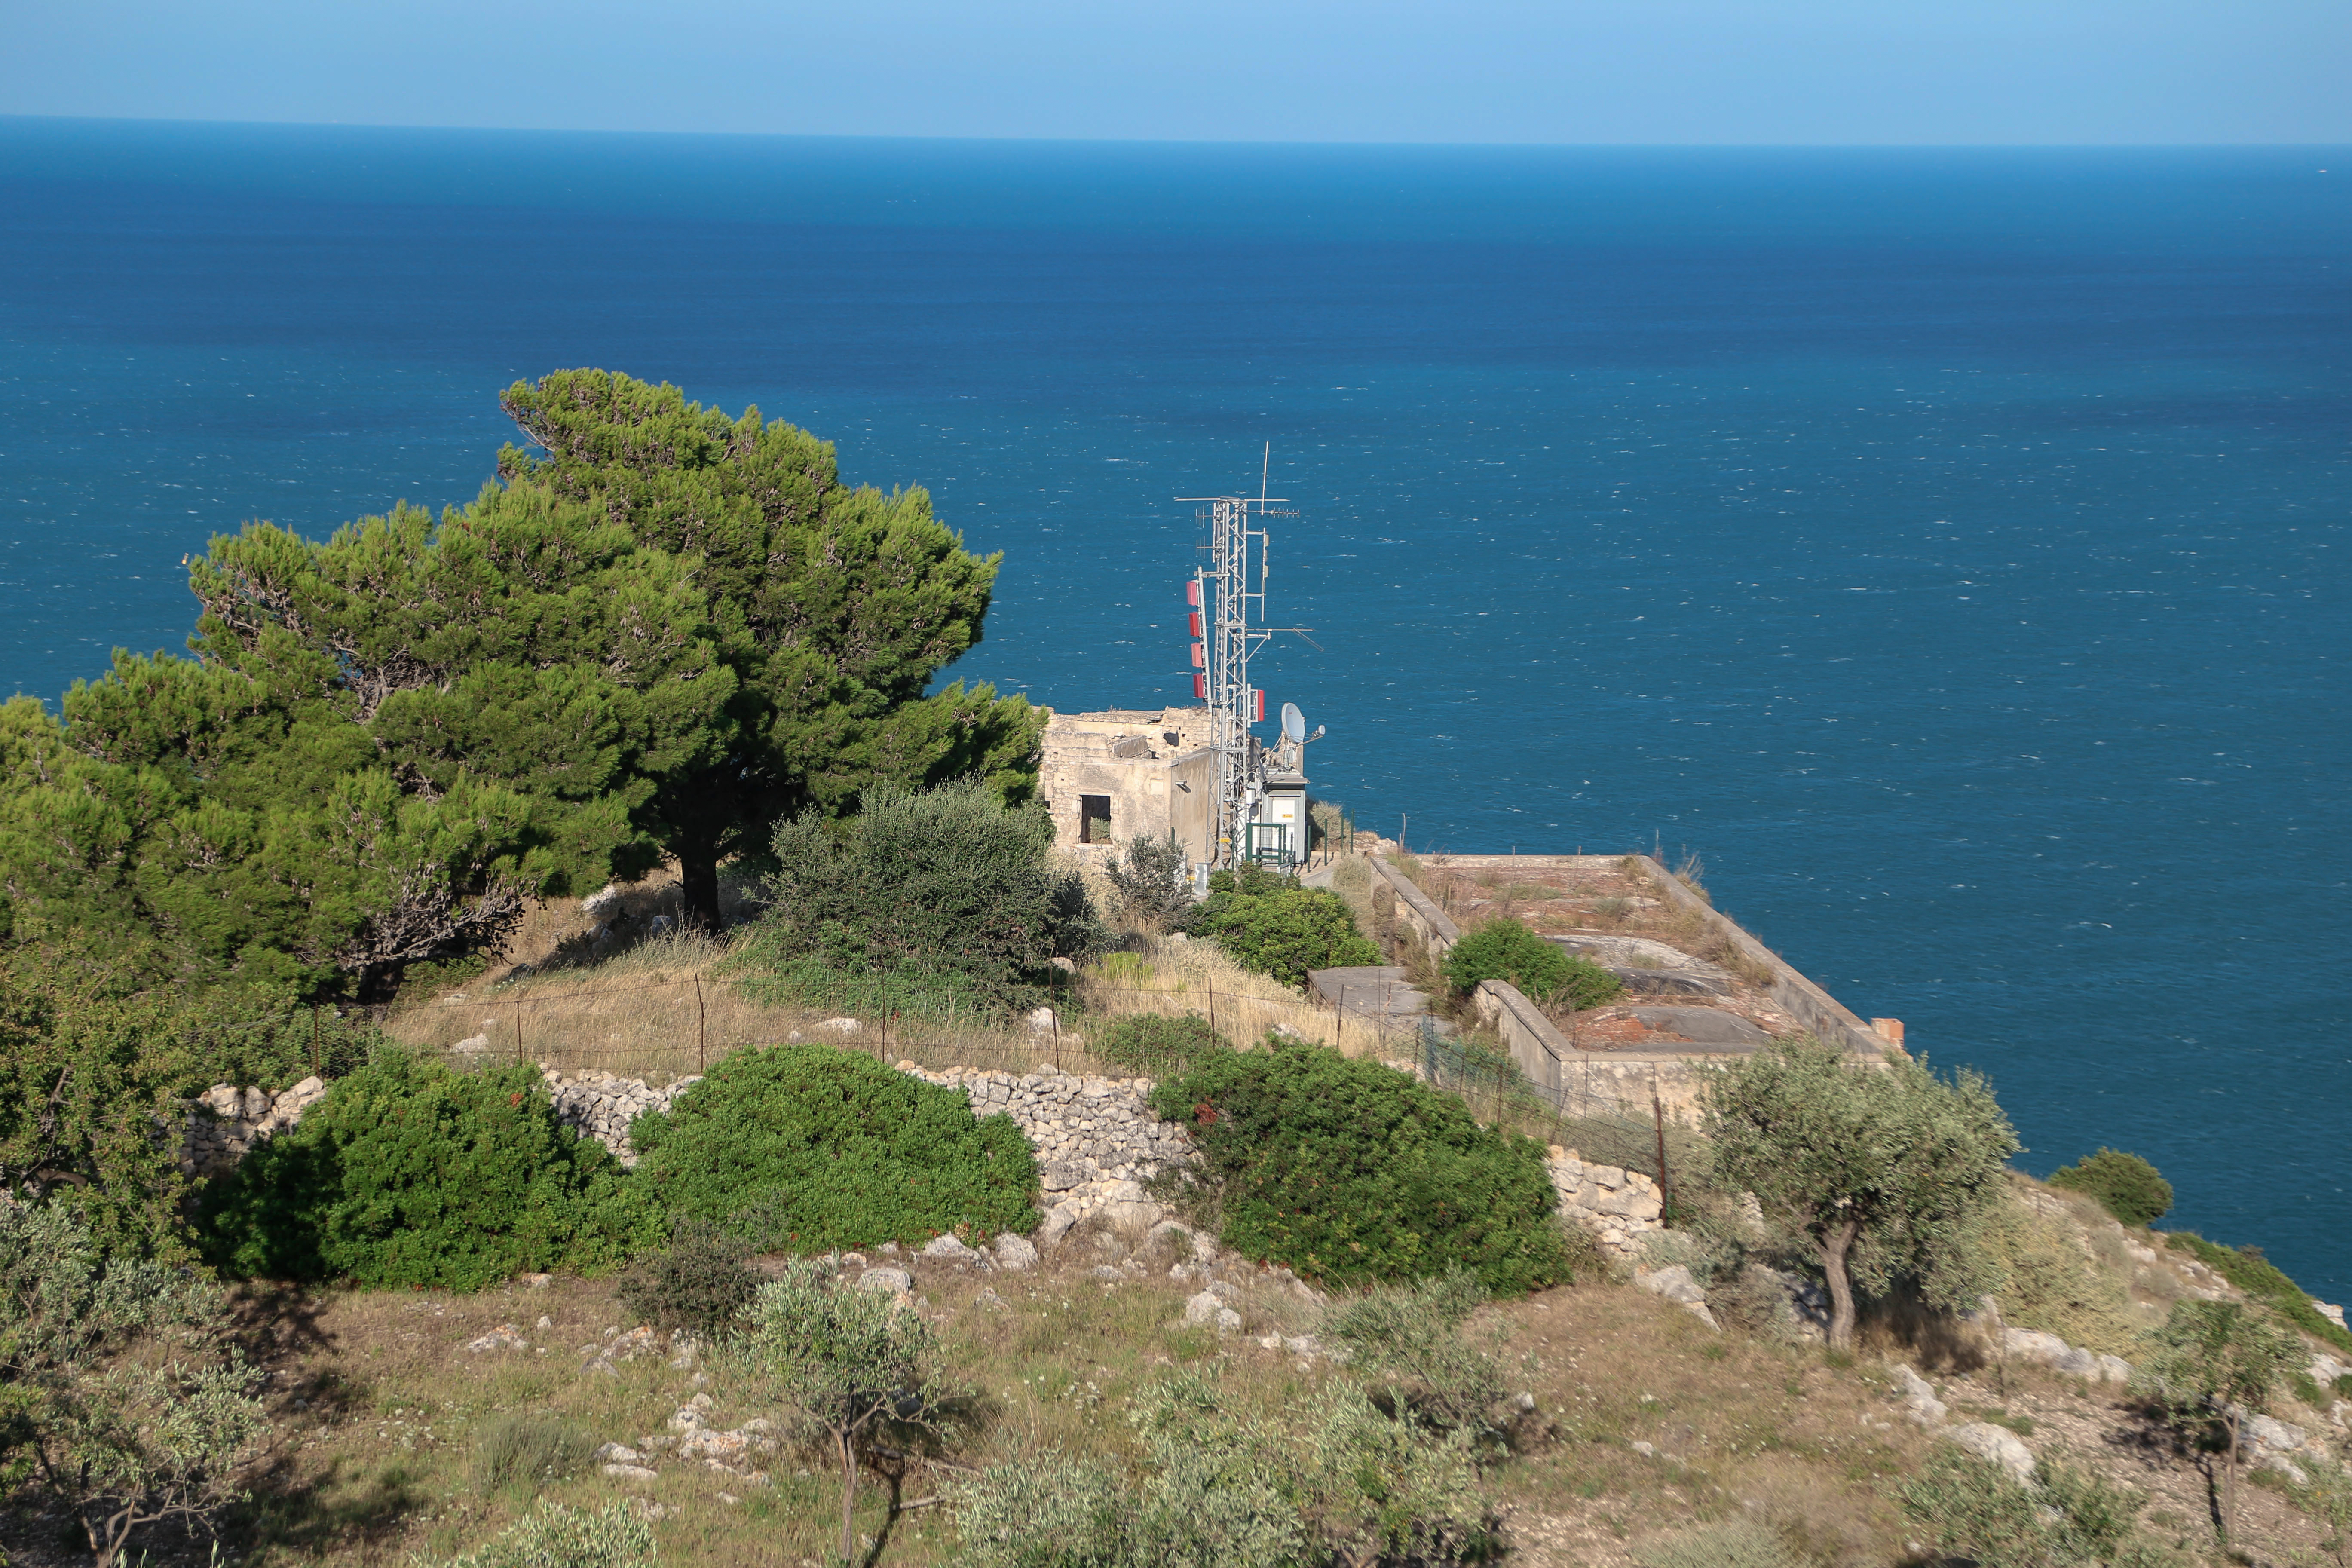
{"points": [[1654, 71]]}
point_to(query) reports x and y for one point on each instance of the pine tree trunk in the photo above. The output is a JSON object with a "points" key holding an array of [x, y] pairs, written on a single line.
{"points": [[1834, 1245], [698, 884]]}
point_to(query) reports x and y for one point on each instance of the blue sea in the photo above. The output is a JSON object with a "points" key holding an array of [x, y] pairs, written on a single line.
{"points": [[1948, 548]]}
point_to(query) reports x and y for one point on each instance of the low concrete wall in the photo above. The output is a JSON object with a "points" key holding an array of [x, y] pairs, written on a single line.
{"points": [[1415, 909], [1828, 1019], [1536, 1046]]}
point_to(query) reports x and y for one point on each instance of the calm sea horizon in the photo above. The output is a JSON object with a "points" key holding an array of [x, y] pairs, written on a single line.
{"points": [[1944, 546]]}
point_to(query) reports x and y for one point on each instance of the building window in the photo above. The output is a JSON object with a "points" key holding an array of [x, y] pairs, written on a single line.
{"points": [[1094, 819]]}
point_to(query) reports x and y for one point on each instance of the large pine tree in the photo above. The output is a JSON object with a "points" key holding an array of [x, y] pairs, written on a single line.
{"points": [[386, 743], [834, 605]]}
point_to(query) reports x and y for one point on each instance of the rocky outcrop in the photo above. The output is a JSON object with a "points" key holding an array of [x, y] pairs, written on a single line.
{"points": [[225, 1122], [2049, 1350], [1621, 1207]]}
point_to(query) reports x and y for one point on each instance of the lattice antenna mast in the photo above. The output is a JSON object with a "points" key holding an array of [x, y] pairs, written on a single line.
{"points": [[1230, 587]]}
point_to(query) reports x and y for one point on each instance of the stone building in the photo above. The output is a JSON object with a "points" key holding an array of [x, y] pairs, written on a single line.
{"points": [[1108, 776]]}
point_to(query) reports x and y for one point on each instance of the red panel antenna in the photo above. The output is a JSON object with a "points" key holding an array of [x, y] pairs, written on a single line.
{"points": [[1258, 693], [1192, 593], [1201, 687], [1195, 619], [1199, 656]]}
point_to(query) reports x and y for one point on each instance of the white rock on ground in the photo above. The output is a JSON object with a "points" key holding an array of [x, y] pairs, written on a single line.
{"points": [[1677, 1285], [948, 1249], [1015, 1253], [1203, 1308], [1919, 1401], [1998, 1444], [893, 1279]]}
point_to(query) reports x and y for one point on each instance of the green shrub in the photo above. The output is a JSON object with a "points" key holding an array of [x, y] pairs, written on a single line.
{"points": [[809, 1148], [1970, 1508], [1272, 925], [528, 1449], [926, 899], [699, 1282], [1408, 1339], [1353, 1173], [1150, 881], [2125, 1186], [1330, 1477], [1157, 1043], [2249, 1271], [1736, 1543], [1506, 949], [410, 1172], [553, 1536]]}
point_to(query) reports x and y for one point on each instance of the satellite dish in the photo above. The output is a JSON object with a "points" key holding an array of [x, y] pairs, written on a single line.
{"points": [[1294, 724]]}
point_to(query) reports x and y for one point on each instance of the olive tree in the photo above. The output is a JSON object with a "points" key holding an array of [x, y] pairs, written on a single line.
{"points": [[1883, 1168], [2216, 1362], [850, 1361], [117, 1395]]}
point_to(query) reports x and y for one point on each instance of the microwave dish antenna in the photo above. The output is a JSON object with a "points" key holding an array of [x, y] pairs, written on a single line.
{"points": [[1294, 724]]}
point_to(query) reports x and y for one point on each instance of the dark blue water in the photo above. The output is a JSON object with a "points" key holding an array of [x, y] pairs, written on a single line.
{"points": [[1947, 547]]}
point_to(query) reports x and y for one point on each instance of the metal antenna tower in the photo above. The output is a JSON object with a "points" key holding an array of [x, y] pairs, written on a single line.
{"points": [[1221, 589]]}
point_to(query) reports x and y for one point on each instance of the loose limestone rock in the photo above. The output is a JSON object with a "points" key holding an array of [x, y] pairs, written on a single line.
{"points": [[1677, 1285], [1998, 1444], [1919, 1401]]}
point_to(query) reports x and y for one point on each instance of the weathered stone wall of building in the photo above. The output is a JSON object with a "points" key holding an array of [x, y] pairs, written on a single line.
{"points": [[1155, 784]]}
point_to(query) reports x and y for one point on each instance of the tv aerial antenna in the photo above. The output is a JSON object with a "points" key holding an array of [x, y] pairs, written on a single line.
{"points": [[1228, 598]]}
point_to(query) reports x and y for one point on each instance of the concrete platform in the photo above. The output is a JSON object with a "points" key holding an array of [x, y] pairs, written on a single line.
{"points": [[1369, 991]]}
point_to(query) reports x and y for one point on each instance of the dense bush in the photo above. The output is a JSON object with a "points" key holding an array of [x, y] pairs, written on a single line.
{"points": [[2125, 1186], [811, 1148], [1274, 926], [1351, 1172], [1970, 1508], [411, 1173], [1506, 950], [1157, 1043], [700, 1282], [926, 899]]}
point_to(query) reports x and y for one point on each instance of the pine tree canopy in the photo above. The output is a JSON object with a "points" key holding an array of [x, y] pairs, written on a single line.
{"points": [[670, 632], [835, 607], [383, 745]]}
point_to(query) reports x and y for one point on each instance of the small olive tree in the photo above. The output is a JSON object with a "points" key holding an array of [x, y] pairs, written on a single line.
{"points": [[1886, 1170], [849, 1361], [117, 1395], [1149, 878], [2215, 1363]]}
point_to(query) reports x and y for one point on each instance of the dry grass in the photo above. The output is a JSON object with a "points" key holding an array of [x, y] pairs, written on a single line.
{"points": [[1168, 975], [381, 1410], [667, 1007]]}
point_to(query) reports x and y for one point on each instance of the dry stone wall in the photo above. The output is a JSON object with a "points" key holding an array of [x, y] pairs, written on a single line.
{"points": [[1097, 1141], [226, 1122], [1622, 1208], [601, 1106], [1095, 1138]]}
